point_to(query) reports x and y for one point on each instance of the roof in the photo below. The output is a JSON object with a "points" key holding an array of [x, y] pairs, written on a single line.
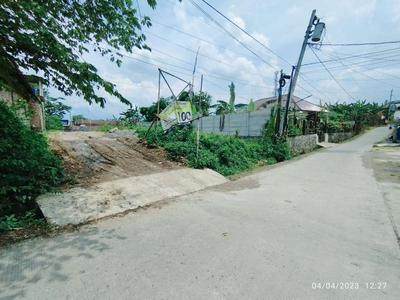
{"points": [[296, 103]]}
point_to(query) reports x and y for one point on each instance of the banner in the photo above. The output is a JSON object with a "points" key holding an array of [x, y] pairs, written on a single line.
{"points": [[176, 113]]}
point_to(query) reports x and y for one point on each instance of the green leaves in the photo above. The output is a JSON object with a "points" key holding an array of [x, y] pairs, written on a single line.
{"points": [[27, 167], [50, 37], [225, 154]]}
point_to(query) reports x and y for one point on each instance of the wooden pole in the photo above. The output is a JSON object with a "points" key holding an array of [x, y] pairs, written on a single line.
{"points": [[158, 101], [198, 120]]}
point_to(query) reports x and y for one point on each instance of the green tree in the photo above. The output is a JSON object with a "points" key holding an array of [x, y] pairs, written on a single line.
{"points": [[51, 36], [55, 107], [131, 116], [54, 111], [200, 101], [251, 106], [149, 113], [77, 119], [232, 97], [222, 107]]}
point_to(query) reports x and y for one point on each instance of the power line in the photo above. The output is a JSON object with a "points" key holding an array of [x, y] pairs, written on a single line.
{"points": [[177, 6], [347, 56], [331, 74], [310, 84], [203, 40], [245, 32], [362, 66], [230, 34], [362, 44], [228, 78], [193, 51], [348, 70]]}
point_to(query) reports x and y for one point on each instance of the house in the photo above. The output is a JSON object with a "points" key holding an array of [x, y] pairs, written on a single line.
{"points": [[32, 115], [297, 104]]}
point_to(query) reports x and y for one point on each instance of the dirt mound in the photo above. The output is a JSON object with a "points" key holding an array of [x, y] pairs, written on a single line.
{"points": [[93, 157]]}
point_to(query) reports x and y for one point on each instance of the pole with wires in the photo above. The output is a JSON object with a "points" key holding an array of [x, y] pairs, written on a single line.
{"points": [[303, 50]]}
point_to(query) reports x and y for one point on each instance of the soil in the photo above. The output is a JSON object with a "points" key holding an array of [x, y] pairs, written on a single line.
{"points": [[94, 157]]}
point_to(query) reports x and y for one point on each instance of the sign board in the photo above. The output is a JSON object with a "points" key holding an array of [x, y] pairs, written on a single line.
{"points": [[176, 113]]}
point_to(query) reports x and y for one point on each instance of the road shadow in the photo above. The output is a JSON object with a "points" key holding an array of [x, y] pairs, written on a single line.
{"points": [[42, 260]]}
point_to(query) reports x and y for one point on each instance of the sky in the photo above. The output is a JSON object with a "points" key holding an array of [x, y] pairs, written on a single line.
{"points": [[180, 29]]}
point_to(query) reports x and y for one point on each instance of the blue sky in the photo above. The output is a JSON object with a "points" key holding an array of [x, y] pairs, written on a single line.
{"points": [[179, 29]]}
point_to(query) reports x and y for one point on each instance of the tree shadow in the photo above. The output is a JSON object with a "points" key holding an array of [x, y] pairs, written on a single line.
{"points": [[42, 260]]}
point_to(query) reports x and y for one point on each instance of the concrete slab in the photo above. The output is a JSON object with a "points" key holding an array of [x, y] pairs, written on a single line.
{"points": [[327, 145], [80, 205]]}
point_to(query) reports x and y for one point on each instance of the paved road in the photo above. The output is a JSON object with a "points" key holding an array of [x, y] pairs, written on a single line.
{"points": [[279, 234]]}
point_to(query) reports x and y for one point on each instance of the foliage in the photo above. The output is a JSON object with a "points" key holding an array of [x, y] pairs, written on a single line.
{"points": [[200, 101], [232, 97], [54, 111], [251, 106], [27, 168], [225, 154], [362, 113], [51, 36], [55, 107], [77, 119], [223, 107], [131, 116], [149, 113], [21, 106], [53, 123], [293, 130], [26, 220]]}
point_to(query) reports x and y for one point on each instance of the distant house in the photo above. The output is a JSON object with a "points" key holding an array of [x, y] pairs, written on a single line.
{"points": [[296, 103]]}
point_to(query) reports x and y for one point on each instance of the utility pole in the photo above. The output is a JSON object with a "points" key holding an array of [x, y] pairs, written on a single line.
{"points": [[303, 49], [282, 83], [276, 83], [289, 97]]}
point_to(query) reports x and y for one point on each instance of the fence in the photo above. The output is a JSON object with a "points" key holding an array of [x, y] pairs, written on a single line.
{"points": [[247, 124]]}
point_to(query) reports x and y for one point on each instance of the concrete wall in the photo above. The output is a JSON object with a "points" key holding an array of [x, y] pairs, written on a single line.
{"points": [[339, 137], [10, 98], [247, 124], [303, 143]]}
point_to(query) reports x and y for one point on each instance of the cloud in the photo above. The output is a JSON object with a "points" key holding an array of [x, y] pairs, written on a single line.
{"points": [[222, 60]]}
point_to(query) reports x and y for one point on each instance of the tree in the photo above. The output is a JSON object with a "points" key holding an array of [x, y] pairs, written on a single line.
{"points": [[222, 107], [200, 101], [232, 97], [50, 37], [77, 119], [54, 111], [131, 116], [149, 113], [251, 106], [55, 107]]}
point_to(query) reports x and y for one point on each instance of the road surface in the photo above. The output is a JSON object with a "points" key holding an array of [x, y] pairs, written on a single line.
{"points": [[312, 228]]}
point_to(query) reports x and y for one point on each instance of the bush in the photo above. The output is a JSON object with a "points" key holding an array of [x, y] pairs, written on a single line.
{"points": [[53, 123], [27, 168], [227, 155]]}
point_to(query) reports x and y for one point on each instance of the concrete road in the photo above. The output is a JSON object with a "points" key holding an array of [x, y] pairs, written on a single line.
{"points": [[314, 228]]}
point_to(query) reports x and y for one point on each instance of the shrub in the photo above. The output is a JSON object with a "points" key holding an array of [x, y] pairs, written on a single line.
{"points": [[225, 154], [27, 168]]}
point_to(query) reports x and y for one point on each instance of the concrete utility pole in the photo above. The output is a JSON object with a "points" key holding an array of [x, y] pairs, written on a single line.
{"points": [[276, 84], [303, 49], [289, 96]]}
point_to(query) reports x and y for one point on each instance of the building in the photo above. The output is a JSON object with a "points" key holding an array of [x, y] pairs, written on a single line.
{"points": [[296, 104]]}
